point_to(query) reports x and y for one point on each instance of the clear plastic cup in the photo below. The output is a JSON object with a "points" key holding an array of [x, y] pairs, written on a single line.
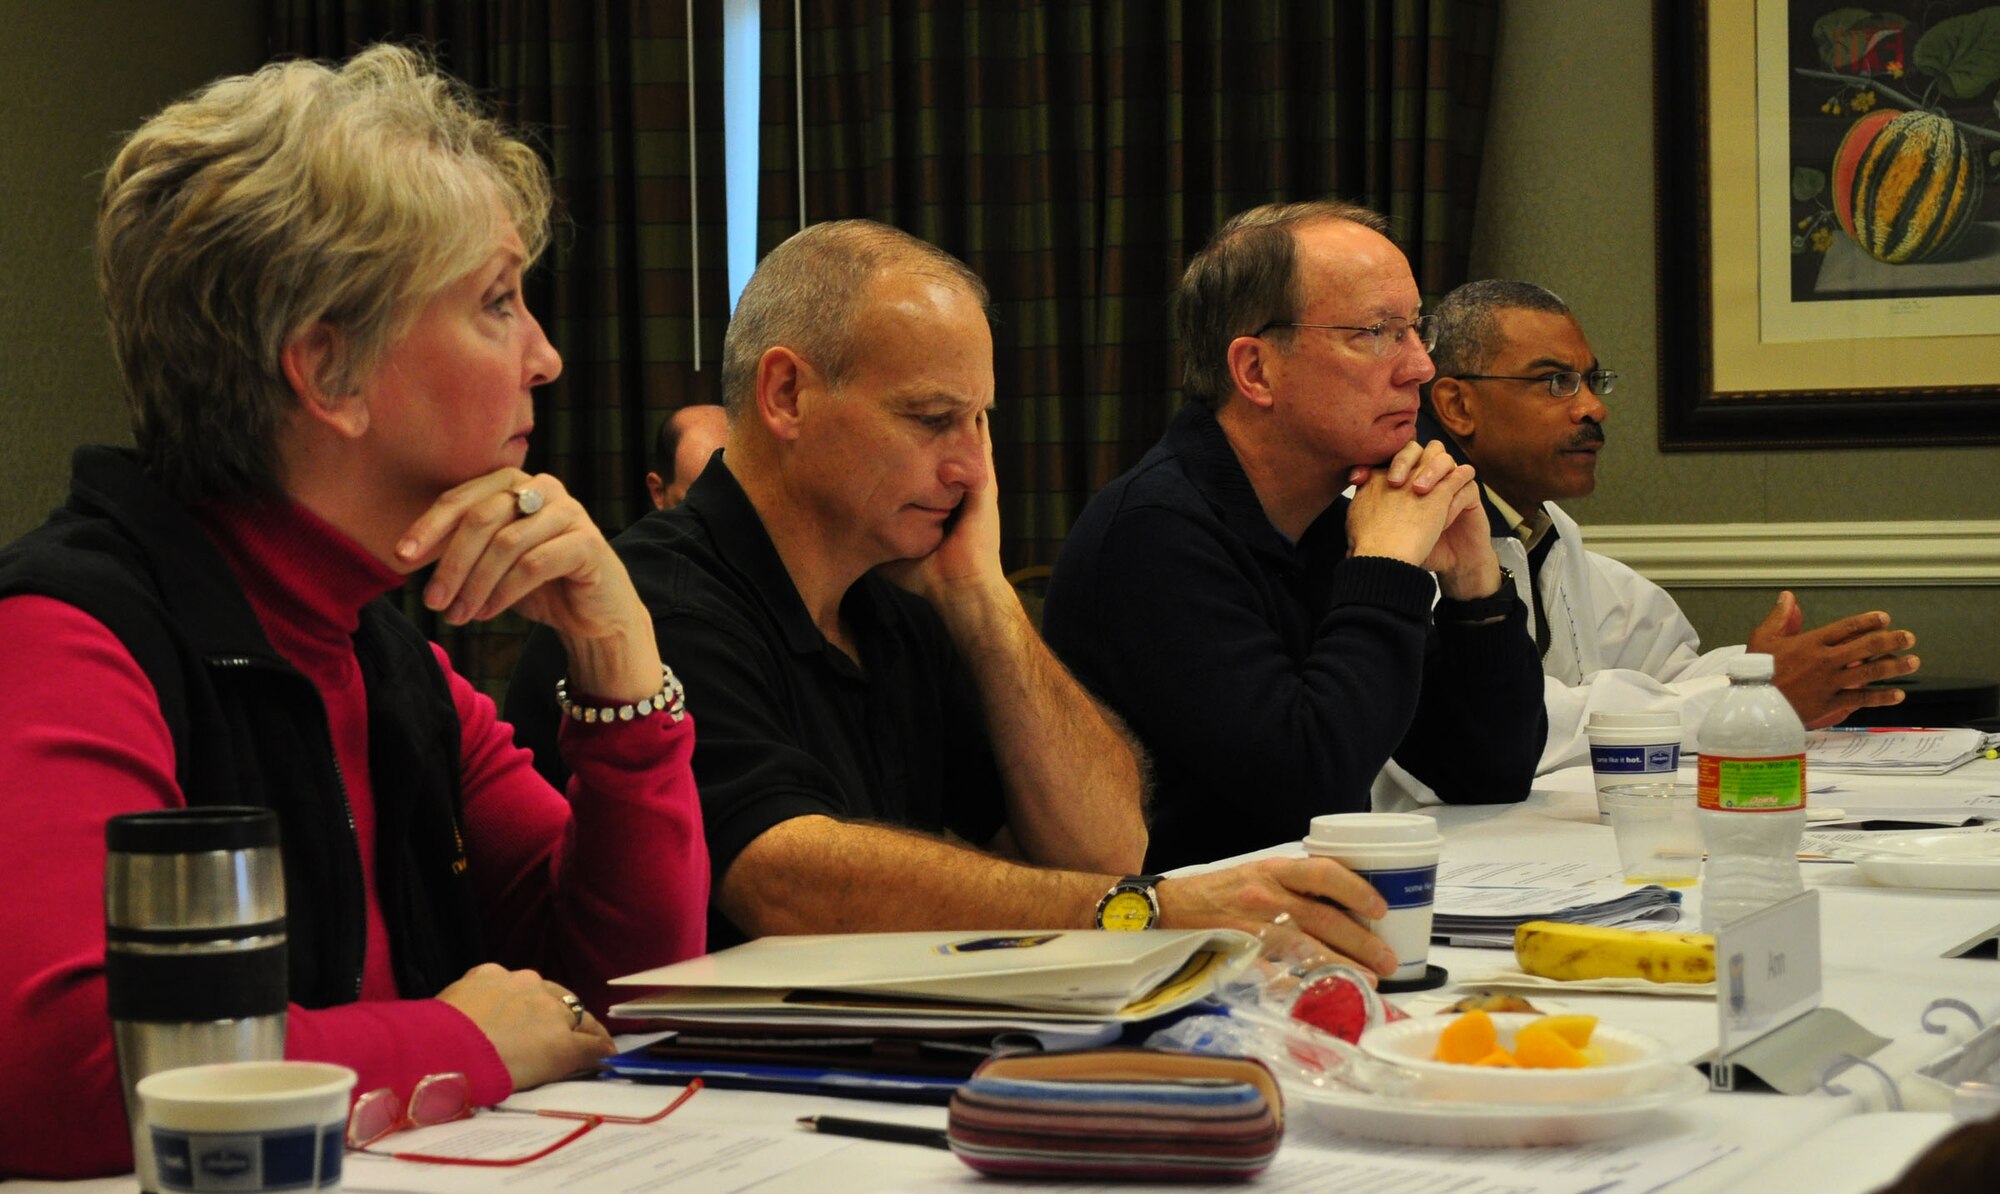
{"points": [[1659, 839]]}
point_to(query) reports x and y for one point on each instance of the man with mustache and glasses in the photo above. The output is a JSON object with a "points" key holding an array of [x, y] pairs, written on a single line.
{"points": [[1271, 641], [1519, 395]]}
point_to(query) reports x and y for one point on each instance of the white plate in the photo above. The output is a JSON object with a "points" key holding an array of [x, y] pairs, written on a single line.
{"points": [[1931, 858], [1958, 844], [1494, 1125], [1627, 1061], [1511, 979], [1932, 873]]}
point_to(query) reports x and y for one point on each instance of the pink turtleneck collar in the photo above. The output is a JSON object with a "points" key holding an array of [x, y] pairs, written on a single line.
{"points": [[298, 570]]}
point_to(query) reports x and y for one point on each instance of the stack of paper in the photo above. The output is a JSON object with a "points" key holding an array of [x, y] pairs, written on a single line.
{"points": [[1488, 916], [1895, 751], [1904, 799], [1040, 974], [909, 1015]]}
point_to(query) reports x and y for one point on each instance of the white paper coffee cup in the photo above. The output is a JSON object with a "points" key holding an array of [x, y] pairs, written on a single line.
{"points": [[1631, 748], [1398, 854], [248, 1125]]}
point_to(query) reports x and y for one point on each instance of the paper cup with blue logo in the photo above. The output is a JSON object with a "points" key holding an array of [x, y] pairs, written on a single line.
{"points": [[1398, 854], [1632, 748], [247, 1125]]}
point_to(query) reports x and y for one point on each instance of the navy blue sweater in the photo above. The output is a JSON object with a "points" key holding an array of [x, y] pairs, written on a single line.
{"points": [[1270, 681]]}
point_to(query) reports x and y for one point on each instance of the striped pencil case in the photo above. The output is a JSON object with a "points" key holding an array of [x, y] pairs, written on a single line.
{"points": [[1119, 1114]]}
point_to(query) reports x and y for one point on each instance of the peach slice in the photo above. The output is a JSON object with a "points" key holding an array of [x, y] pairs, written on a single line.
{"points": [[1538, 1047], [1467, 1039], [1574, 1029]]}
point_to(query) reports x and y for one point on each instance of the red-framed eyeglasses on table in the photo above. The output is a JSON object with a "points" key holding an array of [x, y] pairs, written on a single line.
{"points": [[444, 1098]]}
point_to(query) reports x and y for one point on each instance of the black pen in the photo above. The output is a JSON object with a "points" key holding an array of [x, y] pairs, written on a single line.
{"points": [[868, 1129]]}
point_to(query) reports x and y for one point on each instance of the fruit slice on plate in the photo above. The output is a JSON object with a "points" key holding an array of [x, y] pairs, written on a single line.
{"points": [[1469, 1040], [1575, 1029], [1539, 1047]]}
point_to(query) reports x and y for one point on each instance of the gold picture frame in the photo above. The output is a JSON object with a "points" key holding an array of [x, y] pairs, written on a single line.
{"points": [[1742, 365]]}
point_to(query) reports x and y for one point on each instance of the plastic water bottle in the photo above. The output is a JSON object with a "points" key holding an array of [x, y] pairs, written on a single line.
{"points": [[1752, 800]]}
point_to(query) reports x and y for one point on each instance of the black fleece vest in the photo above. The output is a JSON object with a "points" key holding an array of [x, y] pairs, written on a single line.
{"points": [[250, 729]]}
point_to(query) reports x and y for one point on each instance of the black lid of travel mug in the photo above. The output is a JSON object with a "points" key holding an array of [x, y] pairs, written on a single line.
{"points": [[192, 830]]}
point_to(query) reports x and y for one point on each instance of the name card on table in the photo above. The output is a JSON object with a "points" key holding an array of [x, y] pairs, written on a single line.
{"points": [[1769, 1022], [1767, 970]]}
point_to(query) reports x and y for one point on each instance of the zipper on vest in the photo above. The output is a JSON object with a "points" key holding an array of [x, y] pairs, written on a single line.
{"points": [[354, 839], [340, 786]]}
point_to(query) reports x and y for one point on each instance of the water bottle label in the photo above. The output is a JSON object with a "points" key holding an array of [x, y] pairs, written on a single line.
{"points": [[1771, 785]]}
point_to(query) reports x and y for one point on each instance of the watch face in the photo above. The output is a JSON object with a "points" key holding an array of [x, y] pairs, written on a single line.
{"points": [[1126, 910]]}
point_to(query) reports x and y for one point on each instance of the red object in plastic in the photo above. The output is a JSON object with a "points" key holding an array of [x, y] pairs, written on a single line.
{"points": [[1333, 1005]]}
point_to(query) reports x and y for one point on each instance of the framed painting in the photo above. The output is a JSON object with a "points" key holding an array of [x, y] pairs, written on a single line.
{"points": [[1829, 223]]}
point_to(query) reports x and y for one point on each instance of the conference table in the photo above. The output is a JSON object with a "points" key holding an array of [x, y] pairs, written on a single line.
{"points": [[1884, 964]]}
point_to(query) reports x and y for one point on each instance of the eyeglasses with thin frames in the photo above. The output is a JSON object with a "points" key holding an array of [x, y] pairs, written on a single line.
{"points": [[445, 1098], [1561, 385], [1384, 336]]}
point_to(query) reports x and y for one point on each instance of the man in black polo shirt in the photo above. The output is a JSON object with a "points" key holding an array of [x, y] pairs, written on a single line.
{"points": [[883, 742], [1271, 642]]}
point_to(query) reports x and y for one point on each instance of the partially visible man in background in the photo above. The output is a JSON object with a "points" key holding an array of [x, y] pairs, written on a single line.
{"points": [[681, 449]]}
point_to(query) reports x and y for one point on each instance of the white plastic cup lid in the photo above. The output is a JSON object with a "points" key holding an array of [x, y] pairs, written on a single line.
{"points": [[1372, 830], [1634, 721]]}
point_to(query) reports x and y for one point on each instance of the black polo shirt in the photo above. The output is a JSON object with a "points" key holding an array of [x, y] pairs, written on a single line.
{"points": [[786, 725]]}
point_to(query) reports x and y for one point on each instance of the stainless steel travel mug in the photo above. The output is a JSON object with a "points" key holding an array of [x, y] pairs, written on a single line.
{"points": [[194, 953]]}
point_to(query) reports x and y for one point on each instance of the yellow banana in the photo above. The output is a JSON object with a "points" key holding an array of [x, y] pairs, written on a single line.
{"points": [[1567, 952]]}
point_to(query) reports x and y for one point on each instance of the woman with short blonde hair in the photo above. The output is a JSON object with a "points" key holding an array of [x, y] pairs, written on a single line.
{"points": [[313, 277], [265, 203]]}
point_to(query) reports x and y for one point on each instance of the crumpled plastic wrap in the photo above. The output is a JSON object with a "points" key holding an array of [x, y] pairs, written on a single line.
{"points": [[1302, 1020]]}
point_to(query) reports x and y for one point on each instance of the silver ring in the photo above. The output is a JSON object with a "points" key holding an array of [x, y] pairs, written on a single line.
{"points": [[526, 502], [575, 1007]]}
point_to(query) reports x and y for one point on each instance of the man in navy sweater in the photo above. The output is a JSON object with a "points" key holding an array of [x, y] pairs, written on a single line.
{"points": [[1271, 642]]}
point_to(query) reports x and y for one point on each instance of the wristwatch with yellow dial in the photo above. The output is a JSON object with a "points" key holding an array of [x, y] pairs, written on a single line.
{"points": [[1130, 904]]}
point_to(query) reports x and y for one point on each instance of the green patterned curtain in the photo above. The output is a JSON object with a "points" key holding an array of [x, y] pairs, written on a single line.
{"points": [[602, 85], [1075, 154]]}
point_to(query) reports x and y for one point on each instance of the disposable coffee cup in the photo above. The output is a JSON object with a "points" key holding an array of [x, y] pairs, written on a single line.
{"points": [[1659, 837], [1398, 854], [248, 1125], [1627, 748]]}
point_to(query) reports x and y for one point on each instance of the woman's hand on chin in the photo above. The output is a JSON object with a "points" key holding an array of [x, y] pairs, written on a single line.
{"points": [[509, 540]]}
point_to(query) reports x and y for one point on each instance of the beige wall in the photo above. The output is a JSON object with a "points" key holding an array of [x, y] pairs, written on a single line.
{"points": [[77, 71], [1566, 199]]}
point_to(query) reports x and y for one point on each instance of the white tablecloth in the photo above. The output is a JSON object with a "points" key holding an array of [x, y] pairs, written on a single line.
{"points": [[1883, 966]]}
